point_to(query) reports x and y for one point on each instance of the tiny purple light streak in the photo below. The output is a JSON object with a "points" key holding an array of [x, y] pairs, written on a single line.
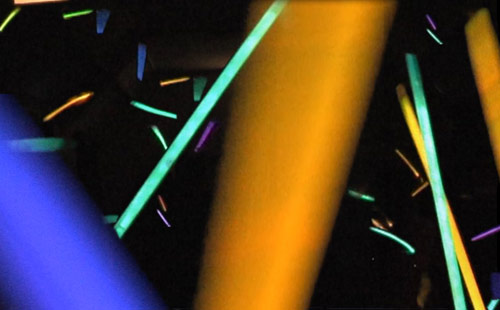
{"points": [[486, 233], [163, 218], [429, 19], [205, 135]]}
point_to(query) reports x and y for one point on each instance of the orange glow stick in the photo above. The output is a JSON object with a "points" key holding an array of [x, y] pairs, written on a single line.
{"points": [[73, 101]]}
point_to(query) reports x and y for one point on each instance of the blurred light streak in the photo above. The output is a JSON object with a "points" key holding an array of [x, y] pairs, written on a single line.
{"points": [[487, 233], [204, 136], [141, 60], [163, 218], [484, 52], [199, 84], [110, 219], [194, 122], [431, 22], [102, 17], [158, 134], [378, 224], [409, 249], [74, 101], [162, 203], [39, 145], [22, 2], [493, 304], [152, 110], [408, 163], [434, 36], [463, 260], [78, 13], [174, 81], [360, 196], [286, 163], [419, 189], [9, 18]]}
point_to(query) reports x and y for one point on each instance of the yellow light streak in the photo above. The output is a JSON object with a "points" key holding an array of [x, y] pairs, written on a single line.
{"points": [[73, 101], [174, 81], [408, 163], [419, 189]]}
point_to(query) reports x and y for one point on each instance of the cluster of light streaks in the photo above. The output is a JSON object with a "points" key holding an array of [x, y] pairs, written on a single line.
{"points": [[158, 134], [102, 17], [9, 18], [73, 101], [434, 36], [408, 163], [174, 81], [141, 60], [204, 136], [77, 13], [199, 84], [360, 196], [162, 203], [431, 22], [39, 145], [409, 249], [487, 233], [419, 189], [194, 122], [163, 218], [152, 110]]}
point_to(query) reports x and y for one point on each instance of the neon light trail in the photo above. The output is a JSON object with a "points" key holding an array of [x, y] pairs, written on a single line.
{"points": [[419, 189], [199, 115], [102, 17], [74, 101], [9, 18], [487, 233], [493, 304], [110, 219], [409, 249], [162, 203], [360, 196], [434, 36], [158, 134], [163, 218], [436, 182], [152, 110], [408, 163], [141, 61], [204, 136], [199, 84], [431, 22], [78, 13], [39, 145], [174, 81]]}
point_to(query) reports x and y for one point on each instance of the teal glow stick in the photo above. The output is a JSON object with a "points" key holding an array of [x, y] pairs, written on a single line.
{"points": [[493, 304], [434, 36], [39, 145], [11, 16], [360, 196], [152, 110], [78, 13], [110, 219], [197, 118], [409, 249], [158, 134], [436, 181]]}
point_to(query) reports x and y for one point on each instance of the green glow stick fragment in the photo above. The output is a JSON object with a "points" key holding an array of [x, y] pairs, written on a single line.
{"points": [[11, 16], [436, 181], [152, 110], [360, 196], [434, 36], [409, 249], [493, 304], [77, 13], [110, 219], [39, 145], [158, 134], [197, 118]]}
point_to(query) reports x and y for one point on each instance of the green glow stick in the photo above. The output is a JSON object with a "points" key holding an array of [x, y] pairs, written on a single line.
{"points": [[158, 134], [39, 145], [152, 110], [357, 195], [78, 13], [493, 304], [436, 182], [197, 118], [7, 20], [110, 219], [409, 249], [434, 36]]}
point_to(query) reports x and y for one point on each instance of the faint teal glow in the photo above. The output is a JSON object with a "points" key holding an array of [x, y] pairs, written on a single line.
{"points": [[158, 134], [9, 18], [78, 13], [39, 145], [409, 249], [152, 110], [493, 304], [197, 118], [436, 181], [360, 196], [199, 84], [110, 219], [434, 36]]}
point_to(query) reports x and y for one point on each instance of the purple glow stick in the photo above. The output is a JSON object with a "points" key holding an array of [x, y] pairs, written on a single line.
{"points": [[429, 19], [204, 136], [163, 218], [486, 233]]}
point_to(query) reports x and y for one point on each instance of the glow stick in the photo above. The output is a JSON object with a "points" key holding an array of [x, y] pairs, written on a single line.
{"points": [[163, 218], [152, 110], [158, 134], [141, 61], [408, 163], [434, 37], [360, 196], [419, 189], [102, 17], [493, 304], [431, 22], [38, 145], [204, 136], [9, 18], [174, 81], [77, 100], [76, 14], [487, 233], [409, 249]]}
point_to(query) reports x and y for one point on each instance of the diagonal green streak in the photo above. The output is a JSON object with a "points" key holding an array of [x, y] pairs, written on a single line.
{"points": [[409, 248], [197, 118], [436, 182]]}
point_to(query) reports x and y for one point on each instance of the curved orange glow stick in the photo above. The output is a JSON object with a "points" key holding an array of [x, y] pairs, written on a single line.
{"points": [[73, 101]]}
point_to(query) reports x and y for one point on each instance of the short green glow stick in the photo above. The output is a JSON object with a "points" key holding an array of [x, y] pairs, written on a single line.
{"points": [[357, 195], [434, 36], [493, 304], [11, 16], [39, 145], [158, 134], [409, 249], [197, 118], [77, 13], [436, 182], [152, 110]]}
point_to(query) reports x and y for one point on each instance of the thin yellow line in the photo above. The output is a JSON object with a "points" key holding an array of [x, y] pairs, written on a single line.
{"points": [[408, 163], [174, 81], [421, 188]]}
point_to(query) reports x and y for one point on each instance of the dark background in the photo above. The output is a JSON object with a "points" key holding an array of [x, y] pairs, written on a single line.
{"points": [[44, 60]]}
